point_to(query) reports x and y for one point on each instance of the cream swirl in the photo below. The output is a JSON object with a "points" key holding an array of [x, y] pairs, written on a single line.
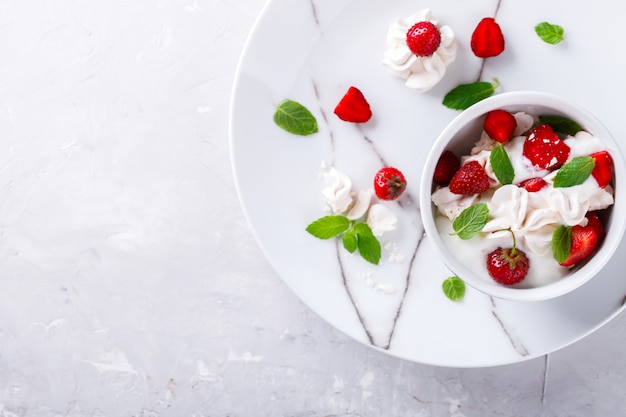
{"points": [[336, 192], [420, 72], [511, 208], [534, 216]]}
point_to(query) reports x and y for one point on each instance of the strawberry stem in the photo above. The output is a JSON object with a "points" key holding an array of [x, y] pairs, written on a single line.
{"points": [[513, 249], [508, 229]]}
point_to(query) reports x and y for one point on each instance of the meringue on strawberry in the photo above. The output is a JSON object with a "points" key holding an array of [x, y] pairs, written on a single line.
{"points": [[339, 198], [419, 51]]}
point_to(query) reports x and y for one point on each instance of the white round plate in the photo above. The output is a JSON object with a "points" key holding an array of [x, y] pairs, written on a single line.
{"points": [[311, 51]]}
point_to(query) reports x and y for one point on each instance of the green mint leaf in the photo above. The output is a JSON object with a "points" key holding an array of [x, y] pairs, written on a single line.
{"points": [[328, 226], [454, 288], [561, 124], [549, 33], [295, 118], [350, 240], [501, 165], [463, 96], [575, 172], [369, 246], [561, 243], [471, 221], [359, 236], [362, 229]]}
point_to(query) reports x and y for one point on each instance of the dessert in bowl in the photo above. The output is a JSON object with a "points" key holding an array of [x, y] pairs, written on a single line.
{"points": [[523, 196]]}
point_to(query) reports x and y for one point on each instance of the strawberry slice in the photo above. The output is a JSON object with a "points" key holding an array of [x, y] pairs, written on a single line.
{"points": [[584, 241], [471, 178], [487, 39], [603, 168], [353, 107], [499, 125], [544, 149], [532, 185], [447, 166], [595, 223]]}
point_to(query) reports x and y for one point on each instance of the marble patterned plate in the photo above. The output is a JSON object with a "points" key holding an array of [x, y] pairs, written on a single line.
{"points": [[311, 51]]}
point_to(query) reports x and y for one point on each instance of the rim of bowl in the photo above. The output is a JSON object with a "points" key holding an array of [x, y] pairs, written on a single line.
{"points": [[616, 222]]}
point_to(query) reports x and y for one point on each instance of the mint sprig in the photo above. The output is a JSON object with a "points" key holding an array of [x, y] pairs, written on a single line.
{"points": [[501, 164], [575, 172], [561, 243], [464, 95], [471, 221], [355, 235], [561, 124], [454, 288], [549, 32], [295, 118]]}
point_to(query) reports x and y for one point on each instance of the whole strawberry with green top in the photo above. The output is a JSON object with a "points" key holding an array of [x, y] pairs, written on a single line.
{"points": [[507, 265]]}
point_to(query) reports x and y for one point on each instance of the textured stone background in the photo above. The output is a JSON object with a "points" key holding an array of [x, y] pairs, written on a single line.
{"points": [[131, 283]]}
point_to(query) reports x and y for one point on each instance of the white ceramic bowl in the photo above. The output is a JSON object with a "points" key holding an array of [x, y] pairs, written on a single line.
{"points": [[459, 137]]}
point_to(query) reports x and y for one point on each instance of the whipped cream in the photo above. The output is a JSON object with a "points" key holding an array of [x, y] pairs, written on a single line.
{"points": [[532, 216], [420, 73]]}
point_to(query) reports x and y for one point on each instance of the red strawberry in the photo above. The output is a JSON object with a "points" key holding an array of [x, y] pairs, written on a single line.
{"points": [[487, 39], [500, 125], [389, 183], [584, 241], [544, 149], [471, 178], [595, 223], [447, 166], [423, 38], [532, 185], [507, 266], [603, 168], [353, 107]]}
